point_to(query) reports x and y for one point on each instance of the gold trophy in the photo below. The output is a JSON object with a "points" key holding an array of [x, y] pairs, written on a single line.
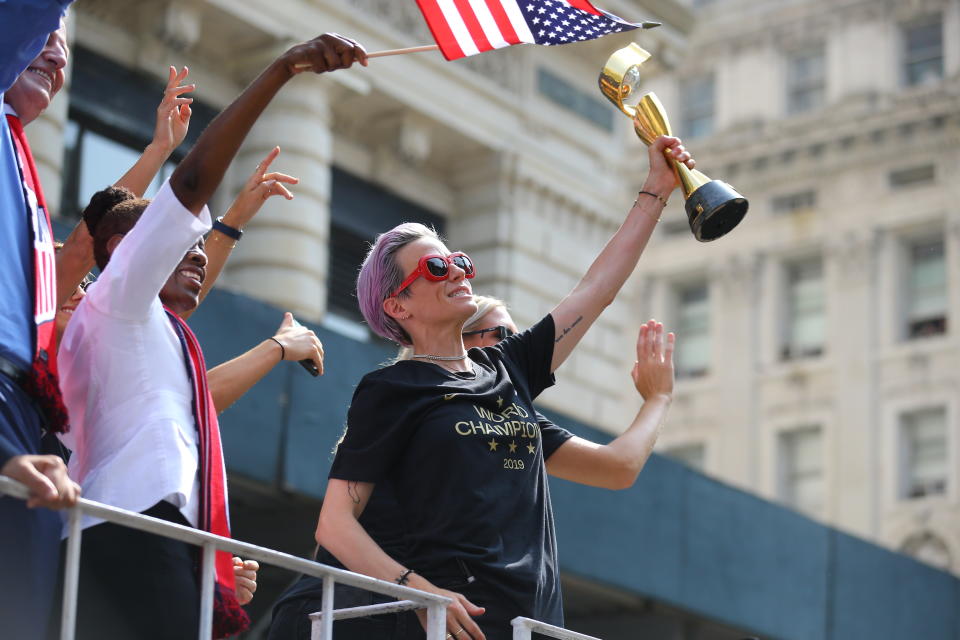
{"points": [[713, 206]]}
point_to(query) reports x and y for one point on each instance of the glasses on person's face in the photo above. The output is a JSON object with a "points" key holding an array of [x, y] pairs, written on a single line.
{"points": [[86, 282], [499, 332], [435, 268]]}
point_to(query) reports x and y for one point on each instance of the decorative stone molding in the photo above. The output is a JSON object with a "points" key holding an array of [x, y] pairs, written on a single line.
{"points": [[404, 16], [953, 227], [500, 69], [738, 275], [179, 24], [853, 252], [907, 10], [745, 26]]}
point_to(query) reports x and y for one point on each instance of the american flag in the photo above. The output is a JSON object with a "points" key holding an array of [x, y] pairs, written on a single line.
{"points": [[467, 27]]}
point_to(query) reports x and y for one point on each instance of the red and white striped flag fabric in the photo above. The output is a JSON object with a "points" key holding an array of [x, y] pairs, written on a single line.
{"points": [[467, 27]]}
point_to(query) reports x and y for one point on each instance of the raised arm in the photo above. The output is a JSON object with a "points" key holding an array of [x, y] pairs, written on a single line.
{"points": [[173, 122], [616, 465], [200, 173], [232, 379], [75, 259], [259, 187], [611, 268]]}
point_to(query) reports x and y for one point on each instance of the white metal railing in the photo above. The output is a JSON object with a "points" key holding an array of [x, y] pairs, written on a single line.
{"points": [[321, 621], [524, 627], [435, 605]]}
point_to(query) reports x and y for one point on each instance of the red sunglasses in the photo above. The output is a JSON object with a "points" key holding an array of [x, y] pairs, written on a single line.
{"points": [[435, 268]]}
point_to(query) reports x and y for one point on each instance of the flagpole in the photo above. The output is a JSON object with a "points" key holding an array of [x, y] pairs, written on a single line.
{"points": [[389, 52], [397, 52]]}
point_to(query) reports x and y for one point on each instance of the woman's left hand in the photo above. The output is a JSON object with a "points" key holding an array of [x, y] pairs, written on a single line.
{"points": [[173, 114], [259, 187], [662, 179], [653, 371], [245, 574]]}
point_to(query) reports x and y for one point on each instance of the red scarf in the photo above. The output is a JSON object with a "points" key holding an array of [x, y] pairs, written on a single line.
{"points": [[228, 616], [42, 385]]}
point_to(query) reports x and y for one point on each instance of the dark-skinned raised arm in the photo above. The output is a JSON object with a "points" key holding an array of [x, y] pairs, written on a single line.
{"points": [[200, 173]]}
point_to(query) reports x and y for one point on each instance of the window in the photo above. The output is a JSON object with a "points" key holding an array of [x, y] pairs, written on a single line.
{"points": [[95, 161], [794, 202], [697, 107], [926, 289], [923, 437], [806, 81], [564, 94], [912, 176], [347, 251], [691, 455], [359, 210], [692, 358], [110, 120], [805, 329], [801, 469], [923, 51]]}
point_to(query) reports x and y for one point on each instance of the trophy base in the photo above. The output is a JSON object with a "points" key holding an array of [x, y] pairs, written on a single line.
{"points": [[714, 210]]}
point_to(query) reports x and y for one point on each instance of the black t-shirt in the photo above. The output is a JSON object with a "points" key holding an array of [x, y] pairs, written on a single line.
{"points": [[464, 458]]}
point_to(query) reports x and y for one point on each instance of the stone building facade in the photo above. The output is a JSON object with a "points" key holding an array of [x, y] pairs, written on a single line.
{"points": [[819, 350], [514, 151]]}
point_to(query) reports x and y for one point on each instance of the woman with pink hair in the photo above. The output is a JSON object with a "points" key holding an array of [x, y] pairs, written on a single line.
{"points": [[453, 434]]}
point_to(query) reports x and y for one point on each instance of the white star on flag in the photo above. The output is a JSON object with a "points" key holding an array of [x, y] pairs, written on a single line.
{"points": [[468, 27]]}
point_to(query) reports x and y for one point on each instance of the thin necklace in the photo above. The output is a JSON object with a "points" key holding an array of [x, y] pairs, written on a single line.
{"points": [[427, 356]]}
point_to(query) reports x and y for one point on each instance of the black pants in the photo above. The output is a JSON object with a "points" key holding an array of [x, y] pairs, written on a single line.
{"points": [[135, 584], [29, 538], [291, 621]]}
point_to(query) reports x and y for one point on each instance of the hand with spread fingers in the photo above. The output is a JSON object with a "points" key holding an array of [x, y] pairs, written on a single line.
{"points": [[173, 114], [46, 478], [259, 187], [653, 371], [245, 574], [327, 52]]}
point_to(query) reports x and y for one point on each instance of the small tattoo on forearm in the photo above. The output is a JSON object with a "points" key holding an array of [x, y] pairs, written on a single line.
{"points": [[568, 329], [353, 492]]}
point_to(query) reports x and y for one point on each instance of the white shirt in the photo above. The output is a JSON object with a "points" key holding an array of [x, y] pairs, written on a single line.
{"points": [[123, 375]]}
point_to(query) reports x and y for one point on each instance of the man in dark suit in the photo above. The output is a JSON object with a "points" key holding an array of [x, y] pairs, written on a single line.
{"points": [[29, 396]]}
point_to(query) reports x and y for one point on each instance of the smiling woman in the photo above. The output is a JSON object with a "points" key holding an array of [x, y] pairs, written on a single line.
{"points": [[454, 435]]}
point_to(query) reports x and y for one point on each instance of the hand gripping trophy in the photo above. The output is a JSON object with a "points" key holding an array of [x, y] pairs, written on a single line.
{"points": [[713, 207]]}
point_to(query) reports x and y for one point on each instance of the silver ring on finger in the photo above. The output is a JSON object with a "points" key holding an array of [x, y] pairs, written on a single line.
{"points": [[459, 632]]}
